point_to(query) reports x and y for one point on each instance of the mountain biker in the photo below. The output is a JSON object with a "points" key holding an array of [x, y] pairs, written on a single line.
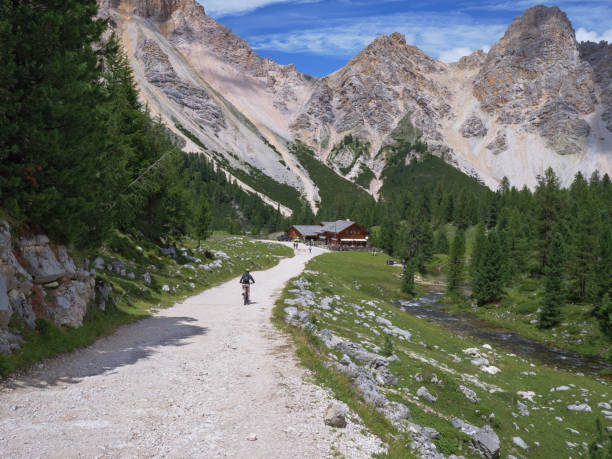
{"points": [[246, 280]]}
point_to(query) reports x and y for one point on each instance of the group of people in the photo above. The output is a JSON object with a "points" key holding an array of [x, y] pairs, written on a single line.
{"points": [[296, 245]]}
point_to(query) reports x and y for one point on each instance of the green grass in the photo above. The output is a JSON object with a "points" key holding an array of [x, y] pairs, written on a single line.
{"points": [[133, 299], [431, 351], [578, 330]]}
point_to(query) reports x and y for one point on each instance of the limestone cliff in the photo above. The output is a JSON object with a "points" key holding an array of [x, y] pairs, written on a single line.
{"points": [[536, 99]]}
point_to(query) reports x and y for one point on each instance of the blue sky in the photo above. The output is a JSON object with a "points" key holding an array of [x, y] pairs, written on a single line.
{"points": [[320, 36]]}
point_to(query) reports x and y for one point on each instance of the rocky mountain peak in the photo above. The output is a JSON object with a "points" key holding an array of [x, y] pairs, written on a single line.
{"points": [[534, 72], [474, 60], [158, 11]]}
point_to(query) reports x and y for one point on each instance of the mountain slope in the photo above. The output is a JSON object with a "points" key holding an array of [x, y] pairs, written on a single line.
{"points": [[536, 99]]}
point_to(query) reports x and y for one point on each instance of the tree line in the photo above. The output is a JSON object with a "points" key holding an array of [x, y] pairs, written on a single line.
{"points": [[562, 236]]}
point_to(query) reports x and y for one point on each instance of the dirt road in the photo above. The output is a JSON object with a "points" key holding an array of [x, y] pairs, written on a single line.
{"points": [[195, 380]]}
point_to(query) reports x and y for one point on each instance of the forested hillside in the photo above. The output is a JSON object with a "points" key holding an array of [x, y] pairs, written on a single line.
{"points": [[80, 155], [494, 246]]}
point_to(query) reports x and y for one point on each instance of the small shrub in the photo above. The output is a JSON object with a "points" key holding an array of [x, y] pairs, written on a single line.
{"points": [[387, 349]]}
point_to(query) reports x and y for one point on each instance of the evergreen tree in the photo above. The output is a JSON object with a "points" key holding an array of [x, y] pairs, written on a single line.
{"points": [[489, 276], [442, 243], [554, 283], [53, 169], [548, 205], [478, 250], [605, 316], [456, 261], [604, 261], [585, 229], [203, 220], [408, 286]]}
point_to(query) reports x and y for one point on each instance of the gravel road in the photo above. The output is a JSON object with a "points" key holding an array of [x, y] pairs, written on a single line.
{"points": [[195, 380]]}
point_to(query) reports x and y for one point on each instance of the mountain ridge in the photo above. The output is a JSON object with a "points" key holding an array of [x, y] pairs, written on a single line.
{"points": [[536, 99]]}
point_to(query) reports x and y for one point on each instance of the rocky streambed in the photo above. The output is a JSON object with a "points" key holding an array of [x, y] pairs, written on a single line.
{"points": [[468, 324]]}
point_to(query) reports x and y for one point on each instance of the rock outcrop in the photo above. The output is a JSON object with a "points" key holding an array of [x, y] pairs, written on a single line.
{"points": [[537, 96], [40, 279], [534, 76]]}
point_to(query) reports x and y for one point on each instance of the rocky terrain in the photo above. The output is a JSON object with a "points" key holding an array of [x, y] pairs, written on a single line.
{"points": [[40, 279], [444, 393], [536, 99]]}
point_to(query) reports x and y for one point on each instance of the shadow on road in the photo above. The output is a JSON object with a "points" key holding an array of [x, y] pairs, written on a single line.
{"points": [[127, 346]]}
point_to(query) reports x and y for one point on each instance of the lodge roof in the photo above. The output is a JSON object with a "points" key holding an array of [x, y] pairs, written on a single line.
{"points": [[324, 227], [308, 230], [337, 226]]}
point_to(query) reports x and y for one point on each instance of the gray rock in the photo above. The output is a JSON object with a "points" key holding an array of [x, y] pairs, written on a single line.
{"points": [[22, 307], [72, 299], [52, 285], [191, 268], [147, 277], [425, 395], [385, 377], [473, 127], [291, 313], [42, 262], [518, 441], [464, 427], [469, 394], [480, 361], [383, 321], [335, 415], [99, 263], [499, 145], [345, 360], [395, 412], [523, 410], [326, 303], [5, 308], [579, 407], [168, 252], [486, 441]]}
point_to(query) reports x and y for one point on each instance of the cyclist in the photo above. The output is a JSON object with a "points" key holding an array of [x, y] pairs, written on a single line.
{"points": [[246, 280]]}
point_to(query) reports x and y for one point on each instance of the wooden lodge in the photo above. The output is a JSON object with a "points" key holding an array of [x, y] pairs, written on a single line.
{"points": [[343, 233]]}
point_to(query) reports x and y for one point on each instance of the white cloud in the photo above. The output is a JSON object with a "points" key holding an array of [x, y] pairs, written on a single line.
{"points": [[219, 8], [453, 55], [588, 35], [346, 38]]}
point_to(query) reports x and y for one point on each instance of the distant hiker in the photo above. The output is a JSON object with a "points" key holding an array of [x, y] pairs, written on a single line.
{"points": [[246, 280], [310, 249]]}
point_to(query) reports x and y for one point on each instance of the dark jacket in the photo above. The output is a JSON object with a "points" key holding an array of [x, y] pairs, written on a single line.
{"points": [[247, 279]]}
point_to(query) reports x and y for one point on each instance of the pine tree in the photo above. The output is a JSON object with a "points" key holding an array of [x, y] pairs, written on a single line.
{"points": [[408, 286], [52, 168], [489, 276], [478, 250], [554, 283], [203, 220], [548, 203], [456, 261], [584, 239], [605, 316], [603, 266], [442, 243]]}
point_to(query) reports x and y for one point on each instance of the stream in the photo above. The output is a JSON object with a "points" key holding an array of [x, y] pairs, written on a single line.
{"points": [[467, 324]]}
